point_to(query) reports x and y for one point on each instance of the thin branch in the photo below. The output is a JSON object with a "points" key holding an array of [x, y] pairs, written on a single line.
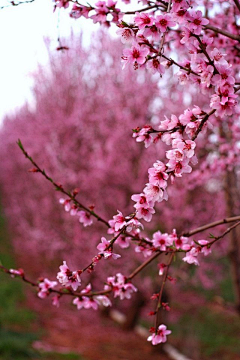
{"points": [[159, 302], [141, 10], [143, 265], [60, 188], [211, 225], [222, 32], [225, 233], [237, 4], [204, 120]]}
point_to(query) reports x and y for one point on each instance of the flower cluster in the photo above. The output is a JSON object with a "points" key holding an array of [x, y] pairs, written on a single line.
{"points": [[66, 277], [84, 217], [84, 301], [120, 286]]}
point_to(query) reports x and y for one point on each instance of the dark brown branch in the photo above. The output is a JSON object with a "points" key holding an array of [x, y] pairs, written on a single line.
{"points": [[237, 4], [60, 188], [204, 120], [143, 265], [222, 32], [211, 225]]}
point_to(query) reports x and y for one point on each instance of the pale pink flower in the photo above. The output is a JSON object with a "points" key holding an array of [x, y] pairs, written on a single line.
{"points": [[119, 221], [160, 336], [55, 300], [143, 250], [79, 10], [161, 241], [103, 300], [144, 135], [44, 288], [15, 272], [85, 302], [66, 277], [123, 241], [105, 250], [205, 249], [191, 256], [120, 286], [127, 35], [85, 218], [151, 32], [155, 66], [66, 203], [155, 193], [161, 268], [101, 12]]}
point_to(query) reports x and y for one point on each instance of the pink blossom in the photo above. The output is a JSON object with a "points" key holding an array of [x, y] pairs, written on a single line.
{"points": [[85, 302], [101, 12], [182, 243], [196, 21], [150, 32], [155, 66], [158, 176], [160, 336], [121, 287], [55, 300], [179, 167], [145, 212], [135, 55], [105, 249], [127, 35], [66, 277], [66, 203], [144, 135], [61, 3], [123, 242], [15, 272], [85, 218], [191, 256], [79, 10], [161, 241], [162, 22], [103, 300], [143, 19], [205, 249], [161, 268], [45, 286], [119, 221], [142, 249], [155, 193]]}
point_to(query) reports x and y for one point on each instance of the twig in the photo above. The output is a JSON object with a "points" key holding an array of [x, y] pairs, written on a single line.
{"points": [[223, 32], [211, 225], [60, 188]]}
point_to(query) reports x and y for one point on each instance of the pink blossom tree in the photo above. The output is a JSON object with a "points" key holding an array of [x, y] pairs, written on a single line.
{"points": [[195, 42]]}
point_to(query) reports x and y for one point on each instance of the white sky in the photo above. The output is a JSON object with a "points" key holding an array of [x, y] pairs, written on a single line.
{"points": [[22, 29]]}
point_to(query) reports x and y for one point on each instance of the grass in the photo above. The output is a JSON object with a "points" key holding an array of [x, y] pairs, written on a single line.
{"points": [[215, 335], [16, 330]]}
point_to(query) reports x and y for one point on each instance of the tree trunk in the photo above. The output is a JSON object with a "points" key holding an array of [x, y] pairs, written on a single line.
{"points": [[232, 209]]}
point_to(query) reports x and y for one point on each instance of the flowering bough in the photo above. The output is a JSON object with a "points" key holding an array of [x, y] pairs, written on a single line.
{"points": [[119, 285], [161, 35]]}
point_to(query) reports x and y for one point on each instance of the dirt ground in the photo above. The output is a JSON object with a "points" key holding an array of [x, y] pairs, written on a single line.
{"points": [[94, 337]]}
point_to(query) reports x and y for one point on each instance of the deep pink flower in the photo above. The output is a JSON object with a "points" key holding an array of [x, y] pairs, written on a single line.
{"points": [[135, 55], [162, 22], [143, 19]]}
